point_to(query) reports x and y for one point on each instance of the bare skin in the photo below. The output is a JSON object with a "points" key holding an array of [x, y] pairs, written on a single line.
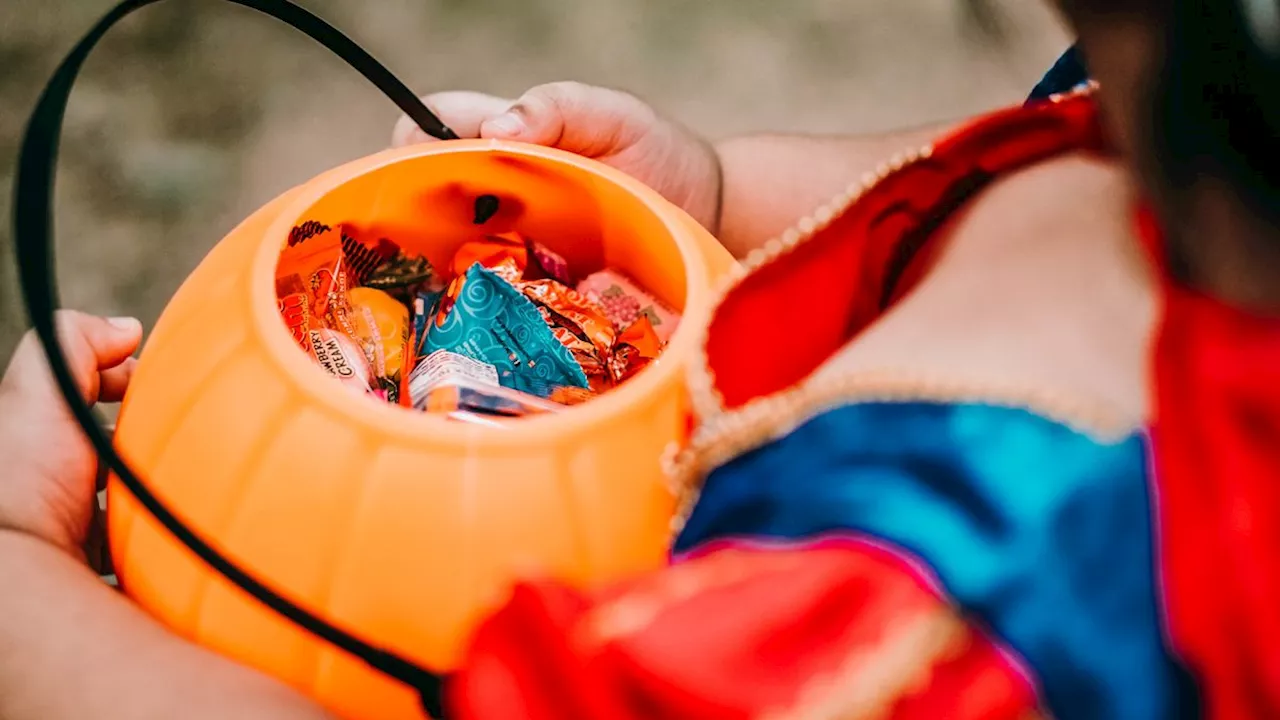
{"points": [[1041, 287], [71, 647], [770, 181]]}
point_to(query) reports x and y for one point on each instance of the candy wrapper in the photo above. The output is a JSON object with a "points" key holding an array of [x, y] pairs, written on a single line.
{"points": [[380, 263], [364, 255], [295, 309], [635, 348], [306, 231], [485, 318], [403, 274], [339, 355], [565, 395], [624, 302], [312, 283], [459, 386], [506, 254], [578, 324], [514, 258], [381, 325], [424, 309], [549, 264]]}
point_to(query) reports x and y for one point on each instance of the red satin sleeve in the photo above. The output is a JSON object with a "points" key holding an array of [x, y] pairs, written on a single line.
{"points": [[820, 633]]}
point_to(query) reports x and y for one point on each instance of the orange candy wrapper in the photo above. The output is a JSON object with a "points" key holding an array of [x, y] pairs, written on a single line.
{"points": [[381, 326], [311, 281], [635, 348], [508, 252], [577, 324], [514, 257], [314, 301], [295, 309]]}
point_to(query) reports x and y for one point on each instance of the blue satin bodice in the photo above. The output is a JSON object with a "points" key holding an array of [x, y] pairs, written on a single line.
{"points": [[1040, 533]]}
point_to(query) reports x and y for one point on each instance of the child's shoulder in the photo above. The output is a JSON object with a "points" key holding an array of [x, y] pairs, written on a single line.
{"points": [[997, 266]]}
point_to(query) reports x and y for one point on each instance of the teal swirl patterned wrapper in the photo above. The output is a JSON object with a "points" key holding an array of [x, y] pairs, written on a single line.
{"points": [[485, 318]]}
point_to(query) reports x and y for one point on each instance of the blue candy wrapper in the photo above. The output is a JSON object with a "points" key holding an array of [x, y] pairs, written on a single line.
{"points": [[483, 317]]}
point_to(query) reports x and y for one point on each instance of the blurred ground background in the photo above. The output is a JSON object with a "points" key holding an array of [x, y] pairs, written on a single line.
{"points": [[196, 112]]}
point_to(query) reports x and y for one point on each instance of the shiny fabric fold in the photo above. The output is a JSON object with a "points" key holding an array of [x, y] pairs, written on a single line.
{"points": [[839, 632], [1217, 437], [1043, 534]]}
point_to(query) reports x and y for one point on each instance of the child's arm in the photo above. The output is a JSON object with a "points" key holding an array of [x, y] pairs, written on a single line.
{"points": [[747, 190], [772, 181], [70, 647]]}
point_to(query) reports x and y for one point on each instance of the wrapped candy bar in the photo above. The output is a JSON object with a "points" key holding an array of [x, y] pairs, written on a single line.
{"points": [[295, 309], [311, 281], [381, 325], [624, 302], [461, 387], [462, 399], [443, 367], [485, 318], [338, 354]]}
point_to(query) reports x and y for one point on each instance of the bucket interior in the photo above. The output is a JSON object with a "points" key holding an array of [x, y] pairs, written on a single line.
{"points": [[426, 204]]}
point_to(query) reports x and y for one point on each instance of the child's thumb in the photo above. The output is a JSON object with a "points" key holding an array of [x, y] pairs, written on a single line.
{"points": [[109, 340], [580, 118], [91, 344], [460, 110]]}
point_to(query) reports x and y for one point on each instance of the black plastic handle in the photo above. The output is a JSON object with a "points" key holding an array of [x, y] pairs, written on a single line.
{"points": [[33, 236]]}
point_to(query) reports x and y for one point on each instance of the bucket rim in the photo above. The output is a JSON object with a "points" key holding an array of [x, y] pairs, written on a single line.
{"points": [[402, 423]]}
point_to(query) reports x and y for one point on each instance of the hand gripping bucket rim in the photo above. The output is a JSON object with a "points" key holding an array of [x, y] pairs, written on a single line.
{"points": [[396, 421]]}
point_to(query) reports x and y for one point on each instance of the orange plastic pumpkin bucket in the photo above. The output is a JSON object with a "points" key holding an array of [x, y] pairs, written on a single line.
{"points": [[282, 517], [404, 527]]}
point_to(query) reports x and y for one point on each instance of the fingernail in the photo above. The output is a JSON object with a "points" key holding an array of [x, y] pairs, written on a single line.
{"points": [[126, 323], [508, 124]]}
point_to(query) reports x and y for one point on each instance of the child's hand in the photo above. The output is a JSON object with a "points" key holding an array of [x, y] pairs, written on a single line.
{"points": [[47, 478], [607, 125]]}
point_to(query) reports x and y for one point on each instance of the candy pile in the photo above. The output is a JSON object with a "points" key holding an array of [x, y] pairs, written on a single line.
{"points": [[502, 333]]}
